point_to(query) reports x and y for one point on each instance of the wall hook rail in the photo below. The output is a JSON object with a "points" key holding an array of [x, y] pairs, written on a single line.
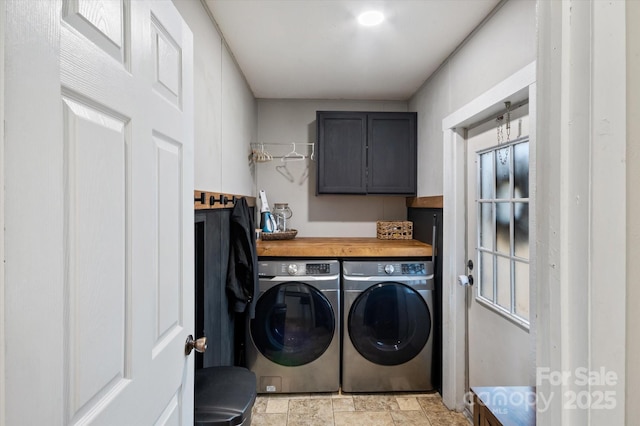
{"points": [[200, 198], [215, 200], [222, 199]]}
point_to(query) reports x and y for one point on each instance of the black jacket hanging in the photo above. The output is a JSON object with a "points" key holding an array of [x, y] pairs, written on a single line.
{"points": [[242, 271]]}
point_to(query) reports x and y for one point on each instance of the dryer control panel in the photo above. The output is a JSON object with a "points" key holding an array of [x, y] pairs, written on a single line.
{"points": [[417, 268], [413, 269]]}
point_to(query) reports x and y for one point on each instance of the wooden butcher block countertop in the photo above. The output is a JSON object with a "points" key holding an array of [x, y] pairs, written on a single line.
{"points": [[342, 247]]}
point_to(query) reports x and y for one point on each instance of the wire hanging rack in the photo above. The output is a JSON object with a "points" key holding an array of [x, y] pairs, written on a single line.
{"points": [[260, 155]]}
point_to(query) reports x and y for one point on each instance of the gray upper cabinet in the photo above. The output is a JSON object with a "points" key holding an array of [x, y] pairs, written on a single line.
{"points": [[366, 152], [342, 152]]}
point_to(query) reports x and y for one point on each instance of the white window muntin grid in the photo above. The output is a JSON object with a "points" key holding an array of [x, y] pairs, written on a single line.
{"points": [[492, 251]]}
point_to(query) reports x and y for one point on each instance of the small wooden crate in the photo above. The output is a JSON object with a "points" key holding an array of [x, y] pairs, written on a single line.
{"points": [[388, 230]]}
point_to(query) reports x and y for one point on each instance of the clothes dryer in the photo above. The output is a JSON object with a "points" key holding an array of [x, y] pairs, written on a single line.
{"points": [[388, 326], [294, 338]]}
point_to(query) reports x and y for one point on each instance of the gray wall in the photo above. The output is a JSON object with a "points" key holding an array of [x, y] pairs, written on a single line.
{"points": [[502, 46], [287, 121], [225, 109]]}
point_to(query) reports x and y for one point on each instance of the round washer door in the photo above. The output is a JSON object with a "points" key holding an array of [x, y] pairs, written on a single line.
{"points": [[293, 325], [389, 323]]}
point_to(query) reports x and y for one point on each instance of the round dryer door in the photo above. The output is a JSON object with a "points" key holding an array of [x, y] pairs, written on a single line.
{"points": [[389, 323], [294, 324]]}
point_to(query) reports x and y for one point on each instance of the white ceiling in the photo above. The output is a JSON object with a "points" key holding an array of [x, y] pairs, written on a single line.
{"points": [[315, 49]]}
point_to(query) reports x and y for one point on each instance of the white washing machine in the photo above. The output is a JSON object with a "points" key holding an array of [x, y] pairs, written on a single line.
{"points": [[294, 340], [387, 342]]}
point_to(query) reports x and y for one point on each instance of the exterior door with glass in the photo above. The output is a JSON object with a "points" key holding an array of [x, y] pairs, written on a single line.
{"points": [[498, 251]]}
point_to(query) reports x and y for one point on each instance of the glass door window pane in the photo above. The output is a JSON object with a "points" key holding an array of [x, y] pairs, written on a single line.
{"points": [[486, 276], [521, 170], [522, 290], [503, 277], [486, 226], [502, 173], [486, 175], [521, 230], [503, 228]]}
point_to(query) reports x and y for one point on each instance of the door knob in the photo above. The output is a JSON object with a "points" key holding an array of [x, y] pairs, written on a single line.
{"points": [[465, 280], [199, 345]]}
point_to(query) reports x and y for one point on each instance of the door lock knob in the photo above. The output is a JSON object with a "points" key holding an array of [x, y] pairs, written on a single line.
{"points": [[199, 345], [465, 280]]}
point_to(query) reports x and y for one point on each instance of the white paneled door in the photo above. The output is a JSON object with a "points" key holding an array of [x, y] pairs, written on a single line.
{"points": [[99, 219]]}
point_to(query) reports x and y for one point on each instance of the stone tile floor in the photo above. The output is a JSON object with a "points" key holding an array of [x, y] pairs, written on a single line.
{"points": [[354, 409]]}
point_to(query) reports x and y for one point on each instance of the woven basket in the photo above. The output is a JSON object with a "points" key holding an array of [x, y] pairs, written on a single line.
{"points": [[282, 235], [387, 230]]}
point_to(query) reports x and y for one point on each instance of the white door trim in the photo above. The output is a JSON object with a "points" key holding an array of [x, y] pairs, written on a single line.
{"points": [[582, 255], [2, 373], [516, 87]]}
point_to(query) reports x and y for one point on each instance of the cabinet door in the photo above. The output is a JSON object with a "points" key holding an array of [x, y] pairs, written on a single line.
{"points": [[341, 153], [392, 153]]}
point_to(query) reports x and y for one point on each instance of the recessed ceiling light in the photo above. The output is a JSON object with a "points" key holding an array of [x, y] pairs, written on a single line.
{"points": [[371, 18]]}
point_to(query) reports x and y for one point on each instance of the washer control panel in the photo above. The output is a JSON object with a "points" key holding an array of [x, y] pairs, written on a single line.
{"points": [[298, 268]]}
